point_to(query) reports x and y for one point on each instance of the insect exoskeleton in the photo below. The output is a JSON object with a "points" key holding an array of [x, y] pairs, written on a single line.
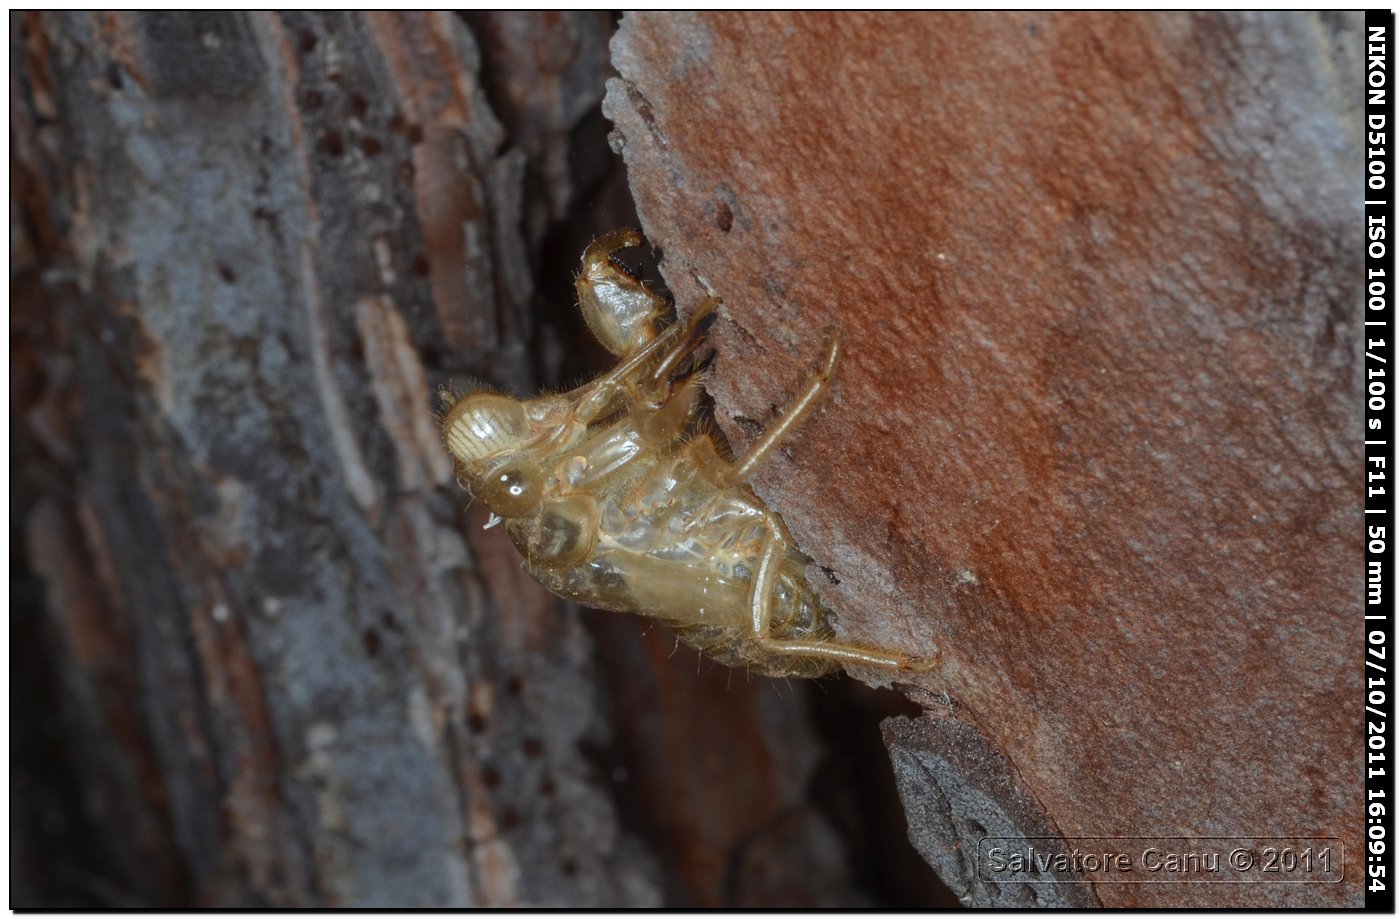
{"points": [[620, 496]]}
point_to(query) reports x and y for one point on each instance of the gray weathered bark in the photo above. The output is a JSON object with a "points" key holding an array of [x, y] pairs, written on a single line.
{"points": [[266, 657], [257, 242]]}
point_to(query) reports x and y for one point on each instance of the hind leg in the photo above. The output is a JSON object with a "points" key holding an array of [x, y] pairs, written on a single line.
{"points": [[761, 596]]}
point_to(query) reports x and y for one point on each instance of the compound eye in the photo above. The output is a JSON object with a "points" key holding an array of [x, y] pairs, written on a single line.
{"points": [[511, 491], [484, 425]]}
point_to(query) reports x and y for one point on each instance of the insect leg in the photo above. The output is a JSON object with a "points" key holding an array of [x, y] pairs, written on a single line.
{"points": [[849, 654], [784, 426], [602, 392], [671, 392], [761, 604], [765, 578], [622, 313], [695, 332]]}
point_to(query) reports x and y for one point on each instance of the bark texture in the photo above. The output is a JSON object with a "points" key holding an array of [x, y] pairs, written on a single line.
{"points": [[1096, 431], [264, 656], [258, 240]]}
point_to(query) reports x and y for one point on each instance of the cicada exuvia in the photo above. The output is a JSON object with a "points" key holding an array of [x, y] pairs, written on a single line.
{"points": [[621, 496]]}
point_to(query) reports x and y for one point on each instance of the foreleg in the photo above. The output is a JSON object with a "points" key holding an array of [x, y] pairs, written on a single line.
{"points": [[673, 345]]}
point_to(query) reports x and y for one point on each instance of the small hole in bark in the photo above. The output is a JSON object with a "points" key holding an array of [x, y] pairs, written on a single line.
{"points": [[396, 124], [226, 273], [406, 173], [532, 748], [510, 818], [421, 268], [371, 641], [359, 105], [490, 777], [312, 100], [476, 722], [515, 684], [569, 867], [308, 42], [415, 134], [114, 76], [547, 787], [724, 217], [370, 146], [830, 574], [333, 144]]}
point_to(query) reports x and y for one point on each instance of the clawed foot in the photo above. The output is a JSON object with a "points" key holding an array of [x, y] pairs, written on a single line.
{"points": [[617, 306]]}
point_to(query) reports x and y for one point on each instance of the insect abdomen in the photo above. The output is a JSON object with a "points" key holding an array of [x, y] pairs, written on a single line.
{"points": [[797, 614]]}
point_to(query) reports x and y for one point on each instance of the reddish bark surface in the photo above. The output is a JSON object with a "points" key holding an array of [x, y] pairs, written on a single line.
{"points": [[1096, 430]]}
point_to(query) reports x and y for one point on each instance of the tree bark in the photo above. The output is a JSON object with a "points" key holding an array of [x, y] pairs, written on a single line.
{"points": [[1097, 431], [268, 658]]}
